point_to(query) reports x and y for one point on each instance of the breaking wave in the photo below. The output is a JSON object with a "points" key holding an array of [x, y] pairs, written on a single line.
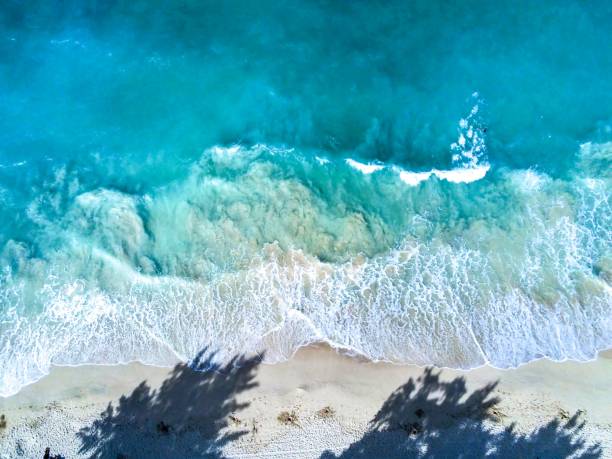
{"points": [[265, 249], [469, 157]]}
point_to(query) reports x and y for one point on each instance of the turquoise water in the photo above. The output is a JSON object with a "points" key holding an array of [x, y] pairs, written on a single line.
{"points": [[417, 181]]}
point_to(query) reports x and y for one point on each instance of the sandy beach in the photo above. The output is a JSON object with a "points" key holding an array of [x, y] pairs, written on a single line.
{"points": [[246, 229], [318, 404]]}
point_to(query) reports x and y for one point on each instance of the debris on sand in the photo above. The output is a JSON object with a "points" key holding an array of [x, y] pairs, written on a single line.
{"points": [[53, 406], [326, 412], [163, 428], [235, 420], [564, 414], [413, 428], [287, 418], [496, 414], [2, 421], [48, 455]]}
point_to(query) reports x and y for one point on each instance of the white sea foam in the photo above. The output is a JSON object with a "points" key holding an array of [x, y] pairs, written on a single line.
{"points": [[470, 148], [468, 155], [218, 150], [417, 303], [528, 181], [461, 175], [413, 178], [364, 168]]}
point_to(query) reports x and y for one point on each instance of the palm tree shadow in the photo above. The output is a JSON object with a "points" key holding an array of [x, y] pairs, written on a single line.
{"points": [[432, 418], [195, 402]]}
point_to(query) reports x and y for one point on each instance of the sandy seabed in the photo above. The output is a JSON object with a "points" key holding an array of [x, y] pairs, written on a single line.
{"points": [[319, 404]]}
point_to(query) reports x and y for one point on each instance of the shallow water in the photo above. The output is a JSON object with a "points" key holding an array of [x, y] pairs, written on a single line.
{"points": [[415, 181]]}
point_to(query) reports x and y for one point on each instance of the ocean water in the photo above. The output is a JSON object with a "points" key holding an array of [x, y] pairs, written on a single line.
{"points": [[415, 181]]}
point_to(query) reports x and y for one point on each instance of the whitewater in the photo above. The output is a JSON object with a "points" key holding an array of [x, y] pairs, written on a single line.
{"points": [[250, 253]]}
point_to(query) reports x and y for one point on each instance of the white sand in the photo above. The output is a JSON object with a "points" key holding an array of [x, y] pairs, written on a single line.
{"points": [[236, 415]]}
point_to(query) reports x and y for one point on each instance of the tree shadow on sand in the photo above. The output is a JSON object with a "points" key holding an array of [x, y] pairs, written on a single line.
{"points": [[194, 403], [432, 418]]}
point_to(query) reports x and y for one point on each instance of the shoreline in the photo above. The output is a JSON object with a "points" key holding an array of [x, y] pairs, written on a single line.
{"points": [[343, 351], [245, 405]]}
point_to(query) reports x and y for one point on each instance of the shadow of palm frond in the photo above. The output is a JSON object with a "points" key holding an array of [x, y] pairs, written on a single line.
{"points": [[428, 417], [194, 401]]}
